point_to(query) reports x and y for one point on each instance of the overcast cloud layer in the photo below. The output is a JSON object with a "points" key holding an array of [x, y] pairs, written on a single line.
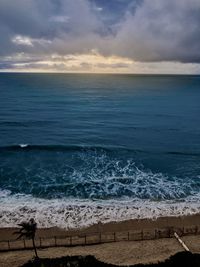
{"points": [[34, 31]]}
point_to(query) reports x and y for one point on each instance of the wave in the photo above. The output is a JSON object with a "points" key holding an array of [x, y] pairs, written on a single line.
{"points": [[23, 145], [90, 173], [76, 213], [71, 148], [104, 184]]}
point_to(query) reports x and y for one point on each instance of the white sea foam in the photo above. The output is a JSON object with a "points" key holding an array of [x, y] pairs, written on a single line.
{"points": [[76, 213], [4, 193], [23, 145]]}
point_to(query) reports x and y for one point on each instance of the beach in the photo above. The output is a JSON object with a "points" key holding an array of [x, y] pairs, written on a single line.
{"points": [[119, 253]]}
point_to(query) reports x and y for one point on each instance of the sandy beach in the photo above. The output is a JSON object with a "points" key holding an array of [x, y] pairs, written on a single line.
{"points": [[119, 253]]}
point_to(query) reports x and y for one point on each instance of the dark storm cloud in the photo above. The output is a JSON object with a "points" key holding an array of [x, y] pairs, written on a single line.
{"points": [[162, 31], [142, 30]]}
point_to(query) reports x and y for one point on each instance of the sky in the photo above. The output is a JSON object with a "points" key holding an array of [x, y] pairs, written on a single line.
{"points": [[100, 36]]}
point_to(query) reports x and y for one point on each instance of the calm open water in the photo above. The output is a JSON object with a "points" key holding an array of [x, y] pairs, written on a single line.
{"points": [[79, 148]]}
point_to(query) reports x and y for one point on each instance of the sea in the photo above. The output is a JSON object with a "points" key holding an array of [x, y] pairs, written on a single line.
{"points": [[80, 149]]}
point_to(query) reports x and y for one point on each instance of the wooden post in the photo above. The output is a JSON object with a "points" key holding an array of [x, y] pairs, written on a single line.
{"points": [[128, 236], [8, 244], [24, 243], [85, 239], [55, 241], [183, 231], [114, 235], [70, 240], [196, 230], [142, 235], [40, 242], [169, 232], [100, 237], [155, 234]]}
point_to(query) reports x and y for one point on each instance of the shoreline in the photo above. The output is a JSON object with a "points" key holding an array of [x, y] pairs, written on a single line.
{"points": [[126, 225], [78, 213]]}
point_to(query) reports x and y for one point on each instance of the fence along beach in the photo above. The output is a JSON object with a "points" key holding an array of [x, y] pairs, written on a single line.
{"points": [[134, 241], [132, 230]]}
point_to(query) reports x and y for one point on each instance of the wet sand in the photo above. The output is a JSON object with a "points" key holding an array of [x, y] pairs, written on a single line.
{"points": [[162, 222]]}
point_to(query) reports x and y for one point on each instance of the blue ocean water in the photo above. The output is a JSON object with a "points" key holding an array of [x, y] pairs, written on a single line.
{"points": [[112, 142]]}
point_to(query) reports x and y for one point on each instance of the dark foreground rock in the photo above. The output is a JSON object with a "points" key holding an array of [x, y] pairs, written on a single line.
{"points": [[181, 259]]}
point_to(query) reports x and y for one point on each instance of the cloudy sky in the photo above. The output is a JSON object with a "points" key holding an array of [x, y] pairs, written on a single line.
{"points": [[117, 36]]}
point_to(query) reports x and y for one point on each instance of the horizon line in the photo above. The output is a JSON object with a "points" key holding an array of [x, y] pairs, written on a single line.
{"points": [[100, 73]]}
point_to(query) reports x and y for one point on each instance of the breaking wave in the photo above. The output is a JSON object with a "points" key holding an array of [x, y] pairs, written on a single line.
{"points": [[76, 213], [91, 176]]}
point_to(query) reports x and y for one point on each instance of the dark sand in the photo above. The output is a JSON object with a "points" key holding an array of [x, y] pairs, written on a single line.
{"points": [[119, 253], [162, 222]]}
